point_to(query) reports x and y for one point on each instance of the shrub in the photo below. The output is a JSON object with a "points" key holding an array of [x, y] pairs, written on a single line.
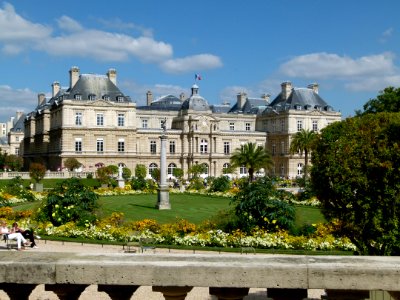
{"points": [[37, 171], [69, 201], [220, 184], [72, 163], [126, 173]]}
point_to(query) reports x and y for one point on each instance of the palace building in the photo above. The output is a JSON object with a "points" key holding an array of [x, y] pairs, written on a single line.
{"points": [[94, 122]]}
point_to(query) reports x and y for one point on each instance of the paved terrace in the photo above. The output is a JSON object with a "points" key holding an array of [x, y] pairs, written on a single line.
{"points": [[79, 270]]}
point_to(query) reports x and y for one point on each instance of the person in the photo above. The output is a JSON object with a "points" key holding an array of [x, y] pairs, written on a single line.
{"points": [[13, 235], [27, 234]]}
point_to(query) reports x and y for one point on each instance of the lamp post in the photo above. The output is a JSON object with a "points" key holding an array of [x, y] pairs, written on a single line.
{"points": [[163, 190]]}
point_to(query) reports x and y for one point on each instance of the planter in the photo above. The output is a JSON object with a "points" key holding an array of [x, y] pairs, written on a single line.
{"points": [[38, 187]]}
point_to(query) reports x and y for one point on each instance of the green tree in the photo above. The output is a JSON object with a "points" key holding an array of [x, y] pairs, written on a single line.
{"points": [[140, 171], [126, 173], [253, 157], [13, 162], [388, 100], [221, 184], [303, 141], [69, 201], [155, 174], [196, 169], [37, 172], [178, 174], [72, 163], [355, 175], [104, 174]]}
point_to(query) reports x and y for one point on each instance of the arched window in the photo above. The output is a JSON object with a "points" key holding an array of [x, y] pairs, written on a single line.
{"points": [[171, 168], [152, 167], [206, 169], [243, 170], [203, 146], [225, 168]]}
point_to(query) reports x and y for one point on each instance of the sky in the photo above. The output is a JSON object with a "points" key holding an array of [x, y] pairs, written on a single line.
{"points": [[350, 48]]}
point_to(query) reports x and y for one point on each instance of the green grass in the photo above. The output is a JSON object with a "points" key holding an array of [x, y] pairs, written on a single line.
{"points": [[193, 208]]}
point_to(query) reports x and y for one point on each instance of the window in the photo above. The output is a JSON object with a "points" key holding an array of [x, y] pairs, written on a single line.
{"points": [[298, 107], [283, 125], [299, 125], [282, 148], [273, 149], [282, 169], [121, 120], [152, 167], [17, 151], [17, 138], [171, 168], [120, 99], [92, 97], [225, 168], [153, 147], [205, 169], [106, 97], [242, 170], [299, 169], [227, 148], [315, 125], [144, 123], [203, 146], [273, 123], [171, 146], [100, 145], [78, 118], [78, 145], [121, 145], [247, 126], [100, 119], [231, 126], [78, 97]]}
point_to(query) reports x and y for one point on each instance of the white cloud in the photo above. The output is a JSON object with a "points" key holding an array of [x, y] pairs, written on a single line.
{"points": [[332, 66], [120, 25], [16, 32], [13, 100], [386, 35], [373, 83], [191, 63], [68, 24]]}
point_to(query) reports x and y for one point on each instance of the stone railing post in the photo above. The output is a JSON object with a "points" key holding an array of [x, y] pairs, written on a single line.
{"points": [[118, 292], [17, 291], [66, 291], [173, 292], [287, 294], [346, 295], [229, 293]]}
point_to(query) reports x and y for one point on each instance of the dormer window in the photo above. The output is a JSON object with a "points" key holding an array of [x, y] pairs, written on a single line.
{"points": [[120, 98], [317, 107], [307, 107], [78, 97], [297, 107], [106, 97], [328, 108], [92, 97]]}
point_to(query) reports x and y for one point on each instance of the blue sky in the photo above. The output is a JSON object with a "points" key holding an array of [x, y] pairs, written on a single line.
{"points": [[350, 48]]}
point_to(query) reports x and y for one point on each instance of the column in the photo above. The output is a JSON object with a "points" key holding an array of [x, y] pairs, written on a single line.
{"points": [[163, 190], [66, 291], [173, 292], [229, 293], [17, 291], [118, 292]]}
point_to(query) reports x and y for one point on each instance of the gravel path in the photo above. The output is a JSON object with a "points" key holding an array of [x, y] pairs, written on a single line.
{"points": [[144, 292]]}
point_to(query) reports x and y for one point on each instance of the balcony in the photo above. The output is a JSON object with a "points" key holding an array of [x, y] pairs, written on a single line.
{"points": [[226, 276]]}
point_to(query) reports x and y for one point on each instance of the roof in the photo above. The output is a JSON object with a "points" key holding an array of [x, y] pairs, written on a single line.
{"points": [[168, 102], [251, 106], [99, 86], [19, 125], [195, 101]]}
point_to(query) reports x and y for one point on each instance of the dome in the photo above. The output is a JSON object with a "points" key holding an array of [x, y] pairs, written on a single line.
{"points": [[195, 101]]}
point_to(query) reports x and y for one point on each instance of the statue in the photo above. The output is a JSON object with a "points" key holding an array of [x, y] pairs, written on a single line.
{"points": [[164, 125], [120, 172]]}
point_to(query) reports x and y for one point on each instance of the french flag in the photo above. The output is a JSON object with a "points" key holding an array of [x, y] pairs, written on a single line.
{"points": [[197, 77]]}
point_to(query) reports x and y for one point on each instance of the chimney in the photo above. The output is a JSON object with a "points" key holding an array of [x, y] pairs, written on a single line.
{"points": [[265, 97], [55, 88], [314, 87], [73, 76], [241, 99], [41, 98], [149, 97], [112, 75], [286, 89], [182, 97]]}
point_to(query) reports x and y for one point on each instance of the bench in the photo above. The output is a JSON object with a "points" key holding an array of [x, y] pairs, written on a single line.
{"points": [[9, 242]]}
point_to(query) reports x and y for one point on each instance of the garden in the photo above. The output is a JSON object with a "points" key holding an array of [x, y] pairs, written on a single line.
{"points": [[269, 220]]}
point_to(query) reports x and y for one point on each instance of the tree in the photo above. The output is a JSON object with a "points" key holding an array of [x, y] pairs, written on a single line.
{"points": [[178, 174], [126, 173], [104, 174], [37, 172], [303, 141], [388, 100], [197, 169], [253, 157], [140, 171], [355, 175], [72, 163], [13, 162]]}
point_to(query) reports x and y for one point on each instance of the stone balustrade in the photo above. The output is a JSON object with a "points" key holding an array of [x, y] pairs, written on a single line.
{"points": [[227, 276]]}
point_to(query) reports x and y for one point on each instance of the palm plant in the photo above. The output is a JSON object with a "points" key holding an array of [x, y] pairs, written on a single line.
{"points": [[252, 157], [303, 141]]}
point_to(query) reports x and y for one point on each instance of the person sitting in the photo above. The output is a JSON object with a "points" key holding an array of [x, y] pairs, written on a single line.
{"points": [[21, 241], [27, 234]]}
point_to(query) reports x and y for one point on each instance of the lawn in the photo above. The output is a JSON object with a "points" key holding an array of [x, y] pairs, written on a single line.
{"points": [[194, 208]]}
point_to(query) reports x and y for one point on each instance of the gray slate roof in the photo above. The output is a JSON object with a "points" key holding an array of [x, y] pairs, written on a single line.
{"points": [[195, 101], [168, 102], [304, 97], [19, 125], [251, 106]]}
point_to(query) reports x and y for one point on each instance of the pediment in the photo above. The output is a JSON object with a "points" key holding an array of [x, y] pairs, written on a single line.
{"points": [[100, 103]]}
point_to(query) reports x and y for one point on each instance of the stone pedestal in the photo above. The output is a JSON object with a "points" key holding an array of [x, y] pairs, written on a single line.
{"points": [[173, 292], [121, 183], [163, 198]]}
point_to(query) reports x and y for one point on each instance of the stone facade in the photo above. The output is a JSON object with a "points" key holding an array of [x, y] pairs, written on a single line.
{"points": [[94, 122]]}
